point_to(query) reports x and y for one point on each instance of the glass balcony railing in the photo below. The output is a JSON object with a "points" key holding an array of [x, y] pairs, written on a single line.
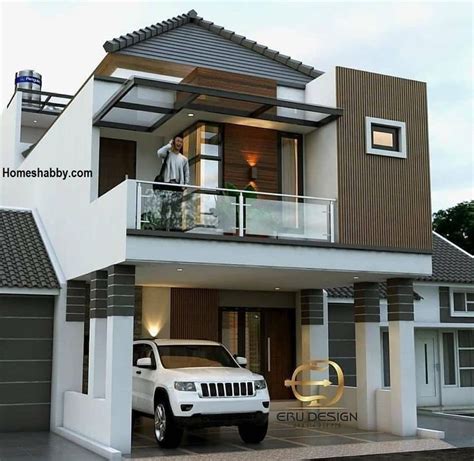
{"points": [[218, 211]]}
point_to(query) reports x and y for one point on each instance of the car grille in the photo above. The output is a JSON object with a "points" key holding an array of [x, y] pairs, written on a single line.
{"points": [[241, 389]]}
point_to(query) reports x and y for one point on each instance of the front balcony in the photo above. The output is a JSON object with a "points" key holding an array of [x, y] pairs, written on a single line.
{"points": [[233, 212]]}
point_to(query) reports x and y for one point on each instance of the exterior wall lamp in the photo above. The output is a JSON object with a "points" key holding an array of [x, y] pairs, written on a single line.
{"points": [[253, 173]]}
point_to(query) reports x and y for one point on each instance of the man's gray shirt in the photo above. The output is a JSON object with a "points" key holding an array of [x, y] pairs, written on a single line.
{"points": [[177, 167]]}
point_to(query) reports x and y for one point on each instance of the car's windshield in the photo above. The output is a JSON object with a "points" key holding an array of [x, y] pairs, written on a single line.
{"points": [[191, 356]]}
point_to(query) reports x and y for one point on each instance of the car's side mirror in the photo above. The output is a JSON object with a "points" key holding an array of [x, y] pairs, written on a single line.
{"points": [[145, 362], [242, 361]]}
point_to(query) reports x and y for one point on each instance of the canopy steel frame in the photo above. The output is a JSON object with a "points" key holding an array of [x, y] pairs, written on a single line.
{"points": [[193, 92]]}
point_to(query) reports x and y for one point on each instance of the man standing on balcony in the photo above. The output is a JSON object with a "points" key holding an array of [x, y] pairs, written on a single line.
{"points": [[174, 170]]}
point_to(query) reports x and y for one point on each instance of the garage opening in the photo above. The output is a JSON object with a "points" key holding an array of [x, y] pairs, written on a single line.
{"points": [[26, 347]]}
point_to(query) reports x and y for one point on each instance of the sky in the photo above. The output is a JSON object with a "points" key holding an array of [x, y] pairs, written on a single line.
{"points": [[426, 41]]}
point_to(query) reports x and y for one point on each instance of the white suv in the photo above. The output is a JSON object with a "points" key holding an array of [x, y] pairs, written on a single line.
{"points": [[192, 383]]}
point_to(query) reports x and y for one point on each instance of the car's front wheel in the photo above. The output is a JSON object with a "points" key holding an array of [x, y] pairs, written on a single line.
{"points": [[167, 433], [253, 432]]}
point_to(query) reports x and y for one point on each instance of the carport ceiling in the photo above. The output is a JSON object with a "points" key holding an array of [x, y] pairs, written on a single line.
{"points": [[244, 278]]}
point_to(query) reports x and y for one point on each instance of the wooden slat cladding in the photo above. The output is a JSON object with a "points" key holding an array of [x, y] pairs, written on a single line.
{"points": [[194, 314], [383, 201], [229, 81], [113, 61], [245, 146], [210, 78]]}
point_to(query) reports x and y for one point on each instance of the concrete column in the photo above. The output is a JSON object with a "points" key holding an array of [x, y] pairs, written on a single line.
{"points": [[368, 352], [97, 334], [313, 331], [118, 385], [402, 356], [68, 346]]}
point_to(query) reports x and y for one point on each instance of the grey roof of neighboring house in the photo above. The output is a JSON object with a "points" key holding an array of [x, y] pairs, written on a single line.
{"points": [[24, 261], [348, 292], [192, 40], [451, 264]]}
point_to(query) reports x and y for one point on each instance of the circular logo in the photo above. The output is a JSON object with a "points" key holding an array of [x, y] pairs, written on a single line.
{"points": [[317, 400]]}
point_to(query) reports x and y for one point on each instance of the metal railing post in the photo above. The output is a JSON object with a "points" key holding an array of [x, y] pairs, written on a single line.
{"points": [[332, 222], [241, 214], [139, 206]]}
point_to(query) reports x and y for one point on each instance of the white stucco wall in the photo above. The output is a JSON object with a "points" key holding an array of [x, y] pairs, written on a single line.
{"points": [[427, 308], [156, 311], [320, 148], [10, 139]]}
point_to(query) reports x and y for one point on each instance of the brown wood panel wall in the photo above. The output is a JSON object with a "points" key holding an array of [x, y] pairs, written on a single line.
{"points": [[383, 201], [231, 82], [194, 314], [245, 146]]}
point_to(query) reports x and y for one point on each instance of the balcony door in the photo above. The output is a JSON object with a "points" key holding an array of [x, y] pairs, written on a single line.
{"points": [[266, 337], [117, 160]]}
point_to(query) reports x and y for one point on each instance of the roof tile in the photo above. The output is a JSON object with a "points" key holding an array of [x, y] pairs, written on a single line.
{"points": [[192, 17], [24, 261]]}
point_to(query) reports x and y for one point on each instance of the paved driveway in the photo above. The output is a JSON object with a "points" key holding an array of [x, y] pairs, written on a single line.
{"points": [[41, 446], [458, 432], [224, 443]]}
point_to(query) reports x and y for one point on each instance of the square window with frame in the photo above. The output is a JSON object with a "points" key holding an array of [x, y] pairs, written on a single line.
{"points": [[462, 303], [385, 137]]}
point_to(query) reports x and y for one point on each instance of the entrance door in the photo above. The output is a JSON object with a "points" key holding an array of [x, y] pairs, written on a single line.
{"points": [[427, 368], [266, 338], [117, 159]]}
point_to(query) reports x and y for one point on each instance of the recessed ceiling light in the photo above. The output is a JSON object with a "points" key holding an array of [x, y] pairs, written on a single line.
{"points": [[179, 269], [190, 114], [356, 278], [277, 288], [35, 121]]}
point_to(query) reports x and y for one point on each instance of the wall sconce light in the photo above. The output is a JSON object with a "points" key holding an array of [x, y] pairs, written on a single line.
{"points": [[253, 173]]}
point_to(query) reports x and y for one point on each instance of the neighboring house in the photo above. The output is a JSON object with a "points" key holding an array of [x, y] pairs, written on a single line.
{"points": [[28, 288], [444, 330], [340, 161]]}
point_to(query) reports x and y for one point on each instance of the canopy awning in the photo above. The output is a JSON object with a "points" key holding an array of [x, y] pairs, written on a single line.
{"points": [[142, 104]]}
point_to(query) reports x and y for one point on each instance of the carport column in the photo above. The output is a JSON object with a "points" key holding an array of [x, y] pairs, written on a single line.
{"points": [[314, 329], [68, 346], [368, 351], [402, 356], [97, 334], [118, 390]]}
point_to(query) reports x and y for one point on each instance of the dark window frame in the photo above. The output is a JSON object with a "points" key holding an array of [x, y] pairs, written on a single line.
{"points": [[395, 131], [300, 154], [198, 157]]}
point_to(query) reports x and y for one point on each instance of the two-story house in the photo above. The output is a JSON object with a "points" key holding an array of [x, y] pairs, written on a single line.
{"points": [[301, 181]]}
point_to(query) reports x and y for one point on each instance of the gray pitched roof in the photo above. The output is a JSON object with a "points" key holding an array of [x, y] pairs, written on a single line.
{"points": [[190, 39], [348, 292], [451, 264], [24, 261]]}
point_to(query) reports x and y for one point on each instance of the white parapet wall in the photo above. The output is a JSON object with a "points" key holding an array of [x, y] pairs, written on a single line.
{"points": [[87, 234], [85, 416], [383, 411]]}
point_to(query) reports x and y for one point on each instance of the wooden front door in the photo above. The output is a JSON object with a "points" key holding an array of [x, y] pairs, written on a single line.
{"points": [[266, 337], [279, 346], [117, 159]]}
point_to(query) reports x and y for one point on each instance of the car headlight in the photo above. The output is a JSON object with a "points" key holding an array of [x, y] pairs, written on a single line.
{"points": [[184, 386], [260, 384]]}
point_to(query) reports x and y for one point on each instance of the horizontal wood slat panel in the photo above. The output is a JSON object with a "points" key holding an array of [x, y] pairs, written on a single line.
{"points": [[245, 146], [383, 201], [230, 81], [194, 314]]}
